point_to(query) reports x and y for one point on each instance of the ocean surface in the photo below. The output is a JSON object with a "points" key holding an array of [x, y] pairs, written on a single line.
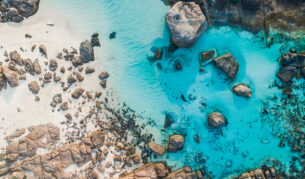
{"points": [[245, 143]]}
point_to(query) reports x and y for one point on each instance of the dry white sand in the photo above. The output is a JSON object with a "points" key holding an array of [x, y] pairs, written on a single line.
{"points": [[55, 38]]}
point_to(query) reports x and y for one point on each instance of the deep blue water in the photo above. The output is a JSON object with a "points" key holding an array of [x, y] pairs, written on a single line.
{"points": [[245, 142]]}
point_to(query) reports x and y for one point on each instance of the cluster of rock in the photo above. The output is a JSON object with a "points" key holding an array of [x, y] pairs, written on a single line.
{"points": [[286, 112], [268, 173], [175, 143], [42, 136], [17, 10], [21, 160], [253, 15], [293, 64], [50, 164], [159, 170], [229, 66], [81, 107]]}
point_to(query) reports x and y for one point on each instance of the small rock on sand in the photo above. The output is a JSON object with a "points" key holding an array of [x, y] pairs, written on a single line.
{"points": [[37, 67], [89, 70], [77, 93], [43, 50], [53, 65], [15, 57], [34, 87], [64, 106]]}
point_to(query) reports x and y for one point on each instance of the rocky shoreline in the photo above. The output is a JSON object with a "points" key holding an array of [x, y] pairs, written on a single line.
{"points": [[253, 15], [17, 10]]}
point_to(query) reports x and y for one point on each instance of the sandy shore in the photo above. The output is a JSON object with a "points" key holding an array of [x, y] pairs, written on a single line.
{"points": [[18, 108]]}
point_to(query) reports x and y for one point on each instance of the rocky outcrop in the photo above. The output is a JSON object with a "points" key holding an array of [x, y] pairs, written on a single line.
{"points": [[242, 90], [186, 23], [293, 59], [26, 8], [254, 15], [159, 170], [286, 73], [175, 143], [17, 10], [259, 173], [228, 64], [291, 63], [216, 120]]}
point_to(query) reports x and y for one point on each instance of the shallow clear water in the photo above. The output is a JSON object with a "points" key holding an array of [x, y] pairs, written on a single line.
{"points": [[244, 143]]}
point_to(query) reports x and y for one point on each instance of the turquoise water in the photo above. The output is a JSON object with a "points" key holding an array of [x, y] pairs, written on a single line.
{"points": [[245, 142]]}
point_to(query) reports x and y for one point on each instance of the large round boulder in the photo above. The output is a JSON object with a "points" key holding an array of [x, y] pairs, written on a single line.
{"points": [[216, 120], [175, 143], [186, 23], [286, 73]]}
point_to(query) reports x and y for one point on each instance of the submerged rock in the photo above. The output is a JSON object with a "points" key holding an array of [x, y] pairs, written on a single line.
{"points": [[168, 120], [86, 51], [242, 90], [112, 35], [216, 120], [228, 64], [186, 23], [293, 59], [175, 143], [286, 73], [158, 149], [207, 55]]}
